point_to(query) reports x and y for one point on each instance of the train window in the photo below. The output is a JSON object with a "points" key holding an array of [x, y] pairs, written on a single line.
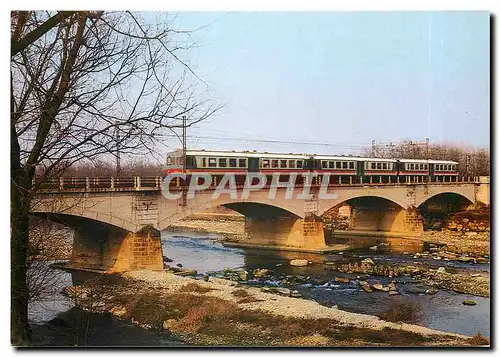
{"points": [[324, 164], [344, 164], [351, 165], [384, 165], [265, 163], [212, 162], [204, 162], [425, 166], [274, 163], [412, 166], [291, 164], [331, 164], [242, 162], [283, 164], [379, 166], [374, 165], [222, 162], [169, 160], [300, 164], [232, 162], [338, 165]]}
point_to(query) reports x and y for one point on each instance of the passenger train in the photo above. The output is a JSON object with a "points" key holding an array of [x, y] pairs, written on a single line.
{"points": [[342, 169]]}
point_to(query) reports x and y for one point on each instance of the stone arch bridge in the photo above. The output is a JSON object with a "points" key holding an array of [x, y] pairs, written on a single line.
{"points": [[117, 226]]}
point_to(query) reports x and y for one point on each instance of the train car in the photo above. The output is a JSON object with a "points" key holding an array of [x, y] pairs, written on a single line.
{"points": [[414, 169], [443, 169], [239, 163], [342, 169]]}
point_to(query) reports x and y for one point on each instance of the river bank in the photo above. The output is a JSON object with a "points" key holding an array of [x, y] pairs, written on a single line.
{"points": [[221, 312]]}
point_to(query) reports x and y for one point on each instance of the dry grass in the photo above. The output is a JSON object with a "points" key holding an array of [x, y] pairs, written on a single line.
{"points": [[248, 300], [195, 288], [242, 293], [479, 340], [406, 312], [209, 320]]}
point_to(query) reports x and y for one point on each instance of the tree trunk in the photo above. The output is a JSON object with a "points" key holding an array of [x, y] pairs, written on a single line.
{"points": [[20, 194], [19, 221]]}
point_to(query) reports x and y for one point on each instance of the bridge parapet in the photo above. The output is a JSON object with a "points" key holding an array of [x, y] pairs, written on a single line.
{"points": [[154, 183]]}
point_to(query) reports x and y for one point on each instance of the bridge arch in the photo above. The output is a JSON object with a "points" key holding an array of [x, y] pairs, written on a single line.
{"points": [[447, 194], [327, 205], [260, 210], [81, 221]]}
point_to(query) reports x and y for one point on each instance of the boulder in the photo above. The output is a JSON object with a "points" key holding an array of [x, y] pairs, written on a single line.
{"points": [[118, 311], [168, 324], [260, 273], [283, 291], [378, 287], [295, 294], [340, 279], [243, 275], [469, 302], [368, 261], [298, 262], [366, 288], [374, 247], [441, 270], [393, 292]]}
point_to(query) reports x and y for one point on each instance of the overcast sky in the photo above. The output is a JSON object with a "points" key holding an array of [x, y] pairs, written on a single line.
{"points": [[341, 78]]}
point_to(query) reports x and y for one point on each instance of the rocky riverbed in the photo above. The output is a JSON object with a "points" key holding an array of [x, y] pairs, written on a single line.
{"points": [[224, 312]]}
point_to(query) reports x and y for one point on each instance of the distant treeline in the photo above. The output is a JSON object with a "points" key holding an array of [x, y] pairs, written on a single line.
{"points": [[105, 168], [471, 161]]}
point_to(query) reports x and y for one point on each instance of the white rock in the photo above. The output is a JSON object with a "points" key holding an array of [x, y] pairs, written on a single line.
{"points": [[441, 270], [298, 262]]}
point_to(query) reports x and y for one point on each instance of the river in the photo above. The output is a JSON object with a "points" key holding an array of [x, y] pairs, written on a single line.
{"points": [[202, 252]]}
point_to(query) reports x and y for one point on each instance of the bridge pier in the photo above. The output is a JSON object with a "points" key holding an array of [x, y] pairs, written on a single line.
{"points": [[292, 232], [391, 220], [102, 247]]}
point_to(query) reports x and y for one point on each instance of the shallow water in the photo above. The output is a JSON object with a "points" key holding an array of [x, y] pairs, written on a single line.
{"points": [[442, 311]]}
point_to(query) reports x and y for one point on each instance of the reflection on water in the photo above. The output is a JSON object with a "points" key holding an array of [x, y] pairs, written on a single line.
{"points": [[442, 311], [200, 252], [51, 302]]}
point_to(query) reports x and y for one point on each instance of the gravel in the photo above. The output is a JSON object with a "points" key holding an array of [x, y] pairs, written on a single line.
{"points": [[280, 305]]}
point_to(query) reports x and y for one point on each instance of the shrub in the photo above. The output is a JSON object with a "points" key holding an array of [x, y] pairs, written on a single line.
{"points": [[479, 340], [242, 293], [195, 288], [406, 312]]}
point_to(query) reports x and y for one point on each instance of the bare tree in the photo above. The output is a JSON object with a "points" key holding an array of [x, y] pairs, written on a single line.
{"points": [[82, 85]]}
